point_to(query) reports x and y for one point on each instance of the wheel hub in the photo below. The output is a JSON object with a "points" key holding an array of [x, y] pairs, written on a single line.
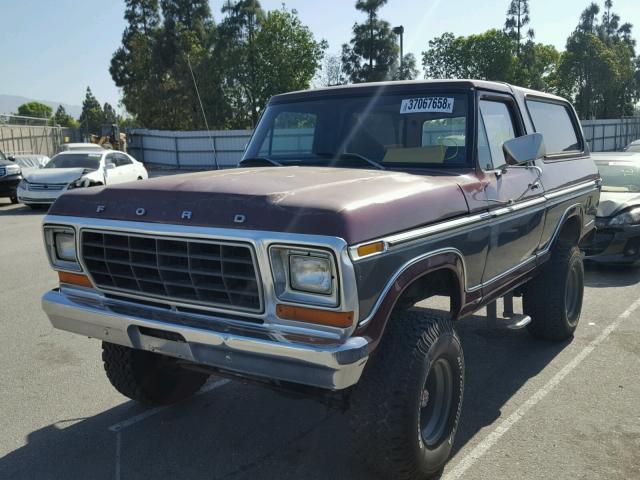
{"points": [[424, 398], [436, 400]]}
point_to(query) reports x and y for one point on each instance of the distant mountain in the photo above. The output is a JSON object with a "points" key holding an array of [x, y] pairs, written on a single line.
{"points": [[10, 104]]}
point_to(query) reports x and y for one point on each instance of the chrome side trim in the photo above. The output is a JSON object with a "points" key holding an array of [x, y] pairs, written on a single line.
{"points": [[568, 190], [467, 289], [556, 230], [404, 267], [394, 240]]}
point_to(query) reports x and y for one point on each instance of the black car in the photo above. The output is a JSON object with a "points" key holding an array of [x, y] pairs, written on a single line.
{"points": [[10, 176], [617, 239]]}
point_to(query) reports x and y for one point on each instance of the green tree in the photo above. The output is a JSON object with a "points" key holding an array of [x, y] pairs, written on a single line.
{"points": [[135, 64], [537, 66], [331, 73], [237, 49], [287, 56], [63, 119], [599, 69], [263, 54], [407, 69], [372, 53], [35, 109], [109, 115], [517, 19], [486, 56], [92, 115]]}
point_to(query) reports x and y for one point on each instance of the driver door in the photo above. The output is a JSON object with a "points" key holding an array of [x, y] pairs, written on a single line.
{"points": [[515, 195]]}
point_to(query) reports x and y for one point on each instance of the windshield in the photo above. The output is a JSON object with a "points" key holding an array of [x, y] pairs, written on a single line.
{"points": [[76, 160], [620, 176], [2, 157], [384, 131]]}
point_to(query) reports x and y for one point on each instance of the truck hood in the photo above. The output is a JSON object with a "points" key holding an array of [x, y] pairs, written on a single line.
{"points": [[613, 202], [356, 205], [55, 175]]}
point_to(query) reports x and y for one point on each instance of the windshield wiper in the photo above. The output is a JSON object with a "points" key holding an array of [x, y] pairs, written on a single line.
{"points": [[373, 163], [357, 156], [258, 162]]}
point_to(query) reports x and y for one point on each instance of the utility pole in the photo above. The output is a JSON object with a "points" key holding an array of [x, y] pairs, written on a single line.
{"points": [[400, 31]]}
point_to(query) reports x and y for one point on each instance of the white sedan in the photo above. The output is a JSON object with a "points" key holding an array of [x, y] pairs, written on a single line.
{"points": [[75, 169]]}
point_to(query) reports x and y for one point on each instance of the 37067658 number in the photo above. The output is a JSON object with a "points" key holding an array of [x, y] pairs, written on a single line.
{"points": [[426, 105]]}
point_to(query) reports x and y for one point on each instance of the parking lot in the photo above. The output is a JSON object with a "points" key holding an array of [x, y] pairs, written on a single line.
{"points": [[531, 409]]}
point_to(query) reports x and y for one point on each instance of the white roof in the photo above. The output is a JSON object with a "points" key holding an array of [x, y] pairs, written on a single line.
{"points": [[82, 146]]}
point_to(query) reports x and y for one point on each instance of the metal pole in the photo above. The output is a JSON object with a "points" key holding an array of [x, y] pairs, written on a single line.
{"points": [[402, 50], [177, 152]]}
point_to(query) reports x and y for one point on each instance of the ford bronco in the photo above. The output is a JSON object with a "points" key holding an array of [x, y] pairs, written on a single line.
{"points": [[301, 269]]}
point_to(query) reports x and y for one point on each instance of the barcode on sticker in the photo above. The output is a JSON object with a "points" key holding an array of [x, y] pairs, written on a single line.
{"points": [[427, 105]]}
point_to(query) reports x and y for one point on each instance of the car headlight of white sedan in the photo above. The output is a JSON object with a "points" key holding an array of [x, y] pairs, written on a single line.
{"points": [[628, 217]]}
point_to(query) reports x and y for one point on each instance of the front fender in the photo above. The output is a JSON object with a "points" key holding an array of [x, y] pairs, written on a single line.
{"points": [[451, 260]]}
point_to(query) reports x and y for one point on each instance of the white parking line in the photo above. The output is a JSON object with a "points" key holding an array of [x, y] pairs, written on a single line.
{"points": [[117, 427], [492, 438]]}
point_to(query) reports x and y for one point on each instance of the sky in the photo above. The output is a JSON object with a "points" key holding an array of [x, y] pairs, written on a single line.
{"points": [[53, 50]]}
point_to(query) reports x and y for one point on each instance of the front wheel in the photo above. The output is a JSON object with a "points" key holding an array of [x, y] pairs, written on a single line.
{"points": [[147, 377], [553, 299], [406, 407], [14, 199]]}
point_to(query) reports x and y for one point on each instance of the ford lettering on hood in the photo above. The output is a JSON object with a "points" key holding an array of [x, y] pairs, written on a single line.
{"points": [[353, 204]]}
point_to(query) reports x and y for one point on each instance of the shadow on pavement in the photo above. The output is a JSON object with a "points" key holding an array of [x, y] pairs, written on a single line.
{"points": [[604, 276], [11, 210], [244, 432]]}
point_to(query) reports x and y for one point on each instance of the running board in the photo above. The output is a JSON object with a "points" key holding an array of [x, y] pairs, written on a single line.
{"points": [[509, 320]]}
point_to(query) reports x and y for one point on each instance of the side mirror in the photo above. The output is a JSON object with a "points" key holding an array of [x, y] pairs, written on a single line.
{"points": [[11, 158], [524, 150], [110, 166]]}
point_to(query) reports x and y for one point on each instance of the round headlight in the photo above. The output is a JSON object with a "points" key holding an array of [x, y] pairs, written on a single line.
{"points": [[310, 274]]}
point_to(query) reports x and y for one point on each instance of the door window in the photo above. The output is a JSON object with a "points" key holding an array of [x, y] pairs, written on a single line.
{"points": [[111, 158], [495, 127], [122, 160]]}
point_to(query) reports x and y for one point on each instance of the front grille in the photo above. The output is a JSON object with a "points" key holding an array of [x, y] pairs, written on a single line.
{"points": [[45, 187], [3, 171], [198, 272]]}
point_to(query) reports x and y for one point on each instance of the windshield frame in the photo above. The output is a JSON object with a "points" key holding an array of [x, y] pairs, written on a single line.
{"points": [[98, 156], [253, 147]]}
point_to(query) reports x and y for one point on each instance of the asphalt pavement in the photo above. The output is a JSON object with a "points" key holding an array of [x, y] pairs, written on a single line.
{"points": [[531, 409]]}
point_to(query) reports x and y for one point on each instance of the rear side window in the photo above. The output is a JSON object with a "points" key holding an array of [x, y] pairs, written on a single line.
{"points": [[553, 121]]}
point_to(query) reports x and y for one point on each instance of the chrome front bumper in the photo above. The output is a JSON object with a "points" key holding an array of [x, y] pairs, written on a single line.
{"points": [[230, 346]]}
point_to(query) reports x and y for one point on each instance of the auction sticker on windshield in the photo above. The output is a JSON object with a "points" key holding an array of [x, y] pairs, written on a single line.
{"points": [[427, 105]]}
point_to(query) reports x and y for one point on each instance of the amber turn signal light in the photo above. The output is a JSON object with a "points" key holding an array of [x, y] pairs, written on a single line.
{"points": [[312, 315], [74, 279], [370, 249]]}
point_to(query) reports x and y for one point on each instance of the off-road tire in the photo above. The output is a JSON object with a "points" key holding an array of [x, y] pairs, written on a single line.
{"points": [[386, 404], [553, 299], [14, 199], [147, 377]]}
